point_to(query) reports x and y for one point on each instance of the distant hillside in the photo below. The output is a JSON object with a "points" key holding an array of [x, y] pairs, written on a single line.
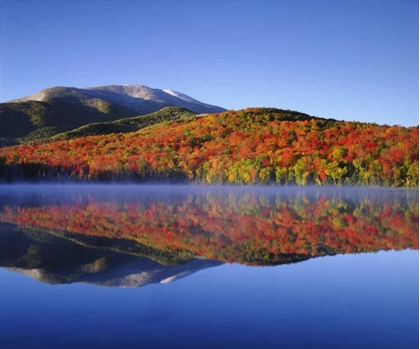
{"points": [[127, 124], [36, 120], [61, 109], [252, 146]]}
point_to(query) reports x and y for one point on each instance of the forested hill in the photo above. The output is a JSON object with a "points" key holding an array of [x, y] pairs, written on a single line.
{"points": [[252, 146]]}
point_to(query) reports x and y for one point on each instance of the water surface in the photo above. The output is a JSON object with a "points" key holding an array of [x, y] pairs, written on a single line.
{"points": [[208, 267]]}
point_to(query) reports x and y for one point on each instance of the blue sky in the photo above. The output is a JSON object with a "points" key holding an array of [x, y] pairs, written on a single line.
{"points": [[347, 59]]}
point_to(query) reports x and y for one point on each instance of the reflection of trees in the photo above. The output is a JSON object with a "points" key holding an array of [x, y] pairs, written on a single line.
{"points": [[242, 227]]}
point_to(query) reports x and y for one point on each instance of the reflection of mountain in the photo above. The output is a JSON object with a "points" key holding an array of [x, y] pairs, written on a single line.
{"points": [[139, 272], [259, 227], [55, 260]]}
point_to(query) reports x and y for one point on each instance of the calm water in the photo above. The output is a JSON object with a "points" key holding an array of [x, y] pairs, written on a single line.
{"points": [[208, 267]]}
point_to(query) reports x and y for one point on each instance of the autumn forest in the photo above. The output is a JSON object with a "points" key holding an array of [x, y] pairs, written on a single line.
{"points": [[251, 146]]}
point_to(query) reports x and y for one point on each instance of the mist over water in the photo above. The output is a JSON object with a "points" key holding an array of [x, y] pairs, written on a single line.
{"points": [[206, 248]]}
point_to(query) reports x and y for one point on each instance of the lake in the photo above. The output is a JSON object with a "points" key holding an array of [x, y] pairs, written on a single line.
{"points": [[135, 266]]}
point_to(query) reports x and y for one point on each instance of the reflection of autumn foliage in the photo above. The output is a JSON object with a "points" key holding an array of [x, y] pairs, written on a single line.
{"points": [[244, 228], [244, 147]]}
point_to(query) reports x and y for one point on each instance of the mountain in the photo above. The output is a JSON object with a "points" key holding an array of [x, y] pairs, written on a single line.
{"points": [[61, 109], [141, 99]]}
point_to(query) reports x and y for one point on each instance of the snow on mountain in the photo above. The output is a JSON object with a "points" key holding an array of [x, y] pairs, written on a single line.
{"points": [[182, 96], [139, 98]]}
